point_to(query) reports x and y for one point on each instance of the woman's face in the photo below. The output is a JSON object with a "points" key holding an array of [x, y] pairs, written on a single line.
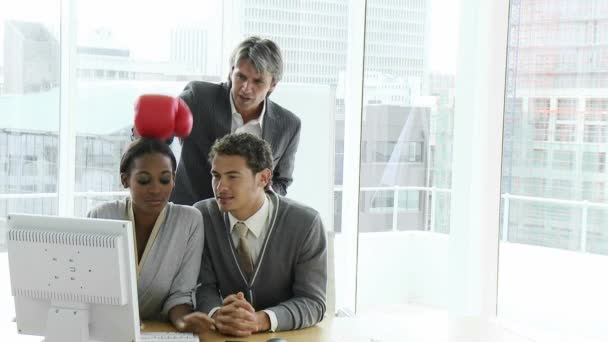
{"points": [[150, 182]]}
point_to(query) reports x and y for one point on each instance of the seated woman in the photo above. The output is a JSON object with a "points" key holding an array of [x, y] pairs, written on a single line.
{"points": [[168, 237]]}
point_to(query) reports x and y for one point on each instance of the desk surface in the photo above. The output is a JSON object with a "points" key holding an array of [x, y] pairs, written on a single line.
{"points": [[329, 330], [386, 328]]}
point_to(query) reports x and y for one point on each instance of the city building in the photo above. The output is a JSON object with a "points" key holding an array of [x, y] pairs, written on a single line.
{"points": [[314, 36], [189, 47], [556, 124], [30, 64]]}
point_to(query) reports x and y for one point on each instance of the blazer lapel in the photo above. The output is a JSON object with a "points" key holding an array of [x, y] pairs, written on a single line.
{"points": [[271, 129], [223, 116]]}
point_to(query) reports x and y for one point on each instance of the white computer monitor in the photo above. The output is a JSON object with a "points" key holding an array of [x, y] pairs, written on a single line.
{"points": [[73, 279]]}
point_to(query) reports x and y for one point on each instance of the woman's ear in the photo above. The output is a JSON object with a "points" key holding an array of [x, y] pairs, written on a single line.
{"points": [[124, 180]]}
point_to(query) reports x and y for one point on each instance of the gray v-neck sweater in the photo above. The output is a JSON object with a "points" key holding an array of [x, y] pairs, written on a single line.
{"points": [[290, 276], [168, 276]]}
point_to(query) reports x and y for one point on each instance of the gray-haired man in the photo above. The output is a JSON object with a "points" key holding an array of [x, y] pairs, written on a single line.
{"points": [[240, 105]]}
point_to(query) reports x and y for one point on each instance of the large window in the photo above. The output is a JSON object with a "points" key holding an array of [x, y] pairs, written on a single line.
{"points": [[374, 84], [29, 118], [90, 83], [74, 101], [406, 144], [29, 103], [116, 62], [554, 227]]}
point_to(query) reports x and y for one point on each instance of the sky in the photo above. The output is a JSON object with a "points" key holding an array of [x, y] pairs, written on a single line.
{"points": [[444, 35], [141, 25]]}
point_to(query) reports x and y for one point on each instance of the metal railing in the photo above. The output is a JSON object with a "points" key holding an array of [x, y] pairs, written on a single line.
{"points": [[48, 204], [430, 203], [583, 205], [54, 194]]}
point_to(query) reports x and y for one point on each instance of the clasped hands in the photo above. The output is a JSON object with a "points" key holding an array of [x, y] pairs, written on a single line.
{"points": [[236, 317]]}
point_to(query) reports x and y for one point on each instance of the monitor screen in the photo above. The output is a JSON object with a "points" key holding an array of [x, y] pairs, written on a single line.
{"points": [[73, 279]]}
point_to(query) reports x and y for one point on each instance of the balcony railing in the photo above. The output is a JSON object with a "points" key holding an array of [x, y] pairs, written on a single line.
{"points": [[583, 205], [428, 206]]}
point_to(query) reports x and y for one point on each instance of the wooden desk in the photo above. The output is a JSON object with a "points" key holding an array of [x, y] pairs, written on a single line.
{"points": [[329, 330], [386, 328]]}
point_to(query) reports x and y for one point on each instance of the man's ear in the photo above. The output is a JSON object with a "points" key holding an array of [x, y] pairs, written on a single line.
{"points": [[264, 177], [124, 180], [272, 85], [230, 77]]}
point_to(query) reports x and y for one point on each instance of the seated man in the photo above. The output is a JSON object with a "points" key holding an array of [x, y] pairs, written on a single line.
{"points": [[264, 264]]}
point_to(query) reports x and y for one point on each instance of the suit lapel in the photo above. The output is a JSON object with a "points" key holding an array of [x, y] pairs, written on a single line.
{"points": [[271, 128], [223, 123]]}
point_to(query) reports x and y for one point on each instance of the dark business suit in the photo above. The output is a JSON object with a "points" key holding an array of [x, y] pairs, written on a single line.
{"points": [[210, 106]]}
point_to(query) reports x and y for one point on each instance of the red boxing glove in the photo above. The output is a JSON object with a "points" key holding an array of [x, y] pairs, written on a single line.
{"points": [[183, 119], [161, 116]]}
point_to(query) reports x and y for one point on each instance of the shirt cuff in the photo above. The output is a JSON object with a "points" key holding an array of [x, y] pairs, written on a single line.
{"points": [[213, 311], [273, 320]]}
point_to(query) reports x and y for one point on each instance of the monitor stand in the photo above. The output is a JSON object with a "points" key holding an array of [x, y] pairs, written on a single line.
{"points": [[67, 322]]}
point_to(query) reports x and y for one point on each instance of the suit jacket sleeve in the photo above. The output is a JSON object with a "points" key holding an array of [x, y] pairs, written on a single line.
{"points": [[308, 305], [92, 213], [282, 173]]}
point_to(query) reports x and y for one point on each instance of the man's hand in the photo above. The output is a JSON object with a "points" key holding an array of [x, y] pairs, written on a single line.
{"points": [[263, 321], [237, 317]]}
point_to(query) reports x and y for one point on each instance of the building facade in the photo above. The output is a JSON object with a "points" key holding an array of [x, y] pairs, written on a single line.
{"points": [[556, 124]]}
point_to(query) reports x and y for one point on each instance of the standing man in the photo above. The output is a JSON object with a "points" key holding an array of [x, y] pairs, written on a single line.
{"points": [[264, 265], [240, 105]]}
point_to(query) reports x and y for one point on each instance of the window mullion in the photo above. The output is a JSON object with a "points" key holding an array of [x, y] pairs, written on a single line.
{"points": [[67, 136]]}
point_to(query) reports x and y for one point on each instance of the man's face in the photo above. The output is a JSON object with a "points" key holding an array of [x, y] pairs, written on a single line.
{"points": [[237, 189], [249, 87]]}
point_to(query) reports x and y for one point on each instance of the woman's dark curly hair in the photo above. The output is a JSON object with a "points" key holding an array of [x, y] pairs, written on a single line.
{"points": [[144, 146]]}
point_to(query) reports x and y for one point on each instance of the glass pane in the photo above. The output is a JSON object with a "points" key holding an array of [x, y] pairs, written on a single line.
{"points": [[313, 37], [29, 119], [29, 103], [116, 62], [408, 104], [554, 242]]}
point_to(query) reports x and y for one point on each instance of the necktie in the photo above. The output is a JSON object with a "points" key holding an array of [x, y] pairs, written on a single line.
{"points": [[242, 250]]}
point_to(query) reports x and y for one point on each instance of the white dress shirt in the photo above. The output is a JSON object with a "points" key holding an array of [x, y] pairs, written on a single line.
{"points": [[239, 126], [257, 224], [258, 229]]}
